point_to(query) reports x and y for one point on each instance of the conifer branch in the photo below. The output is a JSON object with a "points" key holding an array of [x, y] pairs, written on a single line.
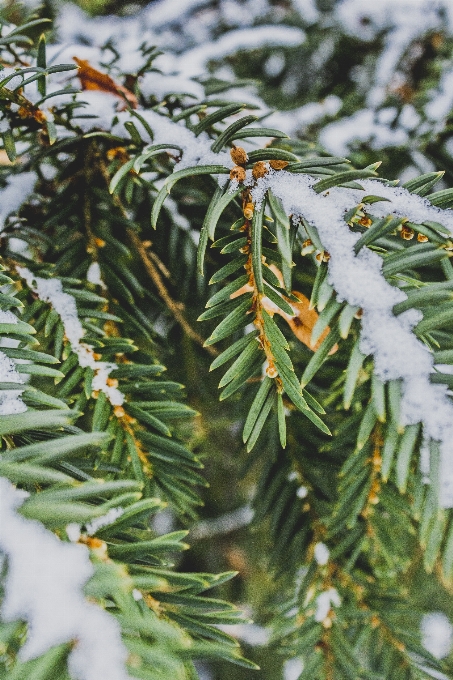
{"points": [[153, 273], [173, 306]]}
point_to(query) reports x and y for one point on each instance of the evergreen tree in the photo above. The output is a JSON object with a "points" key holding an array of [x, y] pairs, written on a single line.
{"points": [[130, 210]]}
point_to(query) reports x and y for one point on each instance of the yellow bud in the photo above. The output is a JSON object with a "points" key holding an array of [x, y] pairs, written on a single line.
{"points": [[407, 233], [237, 173], [248, 211], [271, 371], [239, 155], [259, 170], [278, 165]]}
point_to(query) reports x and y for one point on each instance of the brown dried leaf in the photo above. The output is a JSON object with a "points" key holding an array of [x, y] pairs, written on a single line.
{"points": [[4, 160], [304, 319], [92, 79], [303, 322]]}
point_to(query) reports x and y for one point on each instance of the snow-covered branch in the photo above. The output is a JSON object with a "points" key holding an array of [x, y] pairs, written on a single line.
{"points": [[44, 587], [359, 280], [10, 400], [51, 291]]}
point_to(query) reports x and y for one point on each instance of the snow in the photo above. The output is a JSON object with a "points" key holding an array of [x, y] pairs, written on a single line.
{"points": [[18, 189], [363, 125], [161, 85], [402, 23], [292, 669], [302, 492], [324, 603], [193, 62], [103, 521], [307, 10], [99, 106], [188, 49], [94, 275], [401, 202], [237, 13], [102, 109], [369, 19], [185, 31], [409, 118], [44, 586], [84, 37], [440, 105], [12, 83], [437, 634], [165, 12], [321, 554], [275, 64], [189, 33], [196, 150], [73, 532], [51, 291], [7, 317], [10, 401], [230, 521], [358, 279], [250, 633], [297, 120]]}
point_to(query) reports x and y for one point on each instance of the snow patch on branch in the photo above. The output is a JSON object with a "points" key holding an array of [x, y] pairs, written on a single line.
{"points": [[159, 85], [44, 586], [51, 291], [403, 21], [441, 101], [297, 120], [165, 12], [437, 634], [196, 150], [321, 553], [103, 521], [94, 275], [358, 279], [324, 603], [16, 192], [193, 62], [365, 125], [10, 401]]}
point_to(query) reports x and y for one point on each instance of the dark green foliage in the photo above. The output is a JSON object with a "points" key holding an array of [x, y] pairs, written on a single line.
{"points": [[329, 458]]}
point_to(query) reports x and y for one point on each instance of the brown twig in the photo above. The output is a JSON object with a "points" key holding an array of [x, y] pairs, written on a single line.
{"points": [[172, 305], [158, 262], [91, 246]]}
